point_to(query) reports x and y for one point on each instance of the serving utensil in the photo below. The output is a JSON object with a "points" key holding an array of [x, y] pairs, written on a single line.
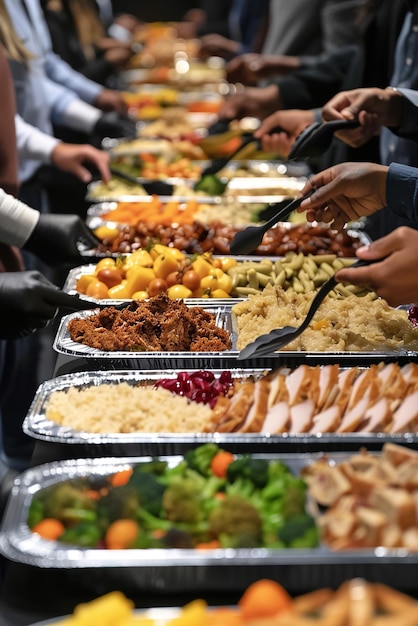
{"points": [[316, 138], [280, 337], [75, 303], [247, 240], [157, 187]]}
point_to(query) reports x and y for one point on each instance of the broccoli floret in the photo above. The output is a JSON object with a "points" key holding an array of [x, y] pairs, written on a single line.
{"points": [[294, 497], [68, 502], [120, 503], [181, 501], [200, 458], [299, 531], [211, 184], [149, 489], [236, 523], [156, 466], [86, 535], [249, 468]]}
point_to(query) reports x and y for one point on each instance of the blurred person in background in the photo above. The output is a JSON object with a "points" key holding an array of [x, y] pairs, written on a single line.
{"points": [[18, 143], [367, 62], [246, 21], [209, 16], [79, 37], [296, 33], [55, 99]]}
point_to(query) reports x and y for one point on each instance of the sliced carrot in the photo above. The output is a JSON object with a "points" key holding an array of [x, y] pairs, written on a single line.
{"points": [[49, 528], [264, 598], [121, 478], [121, 534], [220, 462]]}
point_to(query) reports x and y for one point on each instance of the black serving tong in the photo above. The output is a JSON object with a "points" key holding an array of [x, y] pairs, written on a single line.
{"points": [[247, 240], [152, 187], [216, 165], [279, 337], [316, 138], [73, 302]]}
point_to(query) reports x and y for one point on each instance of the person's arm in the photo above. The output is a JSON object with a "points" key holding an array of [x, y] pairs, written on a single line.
{"points": [[33, 143], [402, 191], [8, 150], [311, 87], [17, 220]]}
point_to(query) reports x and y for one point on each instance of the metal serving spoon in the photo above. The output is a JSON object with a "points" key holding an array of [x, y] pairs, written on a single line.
{"points": [[280, 337], [316, 138], [247, 240]]}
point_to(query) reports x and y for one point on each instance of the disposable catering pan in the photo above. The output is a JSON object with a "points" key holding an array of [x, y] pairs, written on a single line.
{"points": [[182, 570], [100, 359], [37, 426]]}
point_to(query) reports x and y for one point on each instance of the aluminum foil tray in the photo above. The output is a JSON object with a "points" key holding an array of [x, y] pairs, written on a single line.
{"points": [[36, 425], [63, 344], [185, 570]]}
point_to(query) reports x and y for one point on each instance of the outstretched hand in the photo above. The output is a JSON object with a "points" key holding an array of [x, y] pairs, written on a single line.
{"points": [[345, 192], [57, 239], [394, 277]]}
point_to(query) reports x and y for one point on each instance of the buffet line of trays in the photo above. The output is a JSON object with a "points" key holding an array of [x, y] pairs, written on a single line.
{"points": [[323, 427]]}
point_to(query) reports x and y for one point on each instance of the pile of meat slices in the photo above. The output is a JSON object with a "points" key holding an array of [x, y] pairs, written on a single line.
{"points": [[370, 499], [322, 399]]}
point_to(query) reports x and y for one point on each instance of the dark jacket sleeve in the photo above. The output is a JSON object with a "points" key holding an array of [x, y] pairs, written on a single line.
{"points": [[312, 86]]}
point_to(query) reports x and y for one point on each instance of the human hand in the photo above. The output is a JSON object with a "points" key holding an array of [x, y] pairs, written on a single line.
{"points": [[373, 107], [393, 278], [345, 192], [28, 301], [291, 122], [114, 125], [118, 56], [250, 68], [252, 102], [244, 69], [72, 157], [56, 236], [111, 100], [217, 45]]}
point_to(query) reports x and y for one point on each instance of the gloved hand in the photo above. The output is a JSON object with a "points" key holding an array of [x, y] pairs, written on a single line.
{"points": [[55, 238], [114, 124], [28, 301]]}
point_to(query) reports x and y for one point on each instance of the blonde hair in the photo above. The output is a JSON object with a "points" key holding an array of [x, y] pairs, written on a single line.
{"points": [[88, 25], [12, 45]]}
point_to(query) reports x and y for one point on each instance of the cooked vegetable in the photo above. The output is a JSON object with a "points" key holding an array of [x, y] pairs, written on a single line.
{"points": [[183, 505], [211, 184]]}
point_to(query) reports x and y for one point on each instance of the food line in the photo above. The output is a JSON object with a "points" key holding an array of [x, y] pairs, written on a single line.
{"points": [[60, 588]]}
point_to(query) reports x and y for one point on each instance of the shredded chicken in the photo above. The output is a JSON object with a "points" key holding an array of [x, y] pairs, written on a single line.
{"points": [[159, 324]]}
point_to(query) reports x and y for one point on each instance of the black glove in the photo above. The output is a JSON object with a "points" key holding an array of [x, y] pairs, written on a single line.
{"points": [[28, 301], [59, 238], [116, 125]]}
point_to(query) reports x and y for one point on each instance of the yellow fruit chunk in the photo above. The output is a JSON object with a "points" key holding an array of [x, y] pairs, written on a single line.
{"points": [[164, 264], [105, 232], [227, 263], [178, 291], [119, 292], [220, 293], [139, 257], [138, 278], [83, 282], [202, 267], [225, 283], [140, 295], [209, 282], [106, 263]]}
